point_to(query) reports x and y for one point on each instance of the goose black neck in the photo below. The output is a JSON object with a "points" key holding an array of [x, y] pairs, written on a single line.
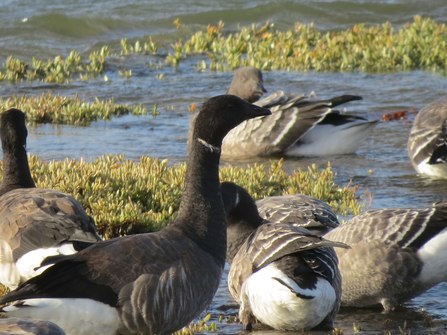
{"points": [[242, 217], [16, 172], [201, 214], [239, 228]]}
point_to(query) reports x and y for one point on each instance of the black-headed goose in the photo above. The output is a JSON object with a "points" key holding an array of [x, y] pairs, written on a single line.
{"points": [[15, 326], [297, 126], [34, 222], [152, 283], [396, 254], [427, 143], [281, 274]]}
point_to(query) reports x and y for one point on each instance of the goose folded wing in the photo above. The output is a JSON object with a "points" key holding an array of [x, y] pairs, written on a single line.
{"points": [[273, 241], [342, 99], [36, 221], [322, 261], [277, 132], [429, 133], [298, 116], [428, 142], [102, 270], [405, 227], [274, 100], [297, 209]]}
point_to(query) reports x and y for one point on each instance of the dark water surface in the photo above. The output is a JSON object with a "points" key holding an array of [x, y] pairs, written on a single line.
{"points": [[381, 166]]}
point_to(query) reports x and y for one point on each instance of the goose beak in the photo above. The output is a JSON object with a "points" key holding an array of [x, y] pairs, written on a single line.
{"points": [[259, 89], [259, 111]]}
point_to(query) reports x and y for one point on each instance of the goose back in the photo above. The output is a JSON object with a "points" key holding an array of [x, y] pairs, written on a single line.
{"points": [[299, 210]]}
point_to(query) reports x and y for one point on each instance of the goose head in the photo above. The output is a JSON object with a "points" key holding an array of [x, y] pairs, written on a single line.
{"points": [[13, 130], [242, 216], [247, 84], [220, 114]]}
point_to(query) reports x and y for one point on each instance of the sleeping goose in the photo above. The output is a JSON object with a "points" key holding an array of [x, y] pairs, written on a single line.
{"points": [[34, 222], [297, 126], [152, 283], [281, 274], [427, 144], [396, 254], [15, 326]]}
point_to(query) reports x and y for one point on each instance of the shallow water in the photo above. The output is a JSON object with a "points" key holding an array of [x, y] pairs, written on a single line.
{"points": [[381, 165]]}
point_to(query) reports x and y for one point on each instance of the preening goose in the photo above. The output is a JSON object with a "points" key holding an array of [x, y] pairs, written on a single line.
{"points": [[34, 222], [427, 143], [15, 326], [297, 126], [396, 254], [151, 283], [281, 274]]}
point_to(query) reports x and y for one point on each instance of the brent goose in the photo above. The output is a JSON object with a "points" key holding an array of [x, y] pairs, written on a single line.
{"points": [[15, 326], [299, 209], [298, 126], [34, 222], [152, 283], [427, 144], [281, 274], [396, 254]]}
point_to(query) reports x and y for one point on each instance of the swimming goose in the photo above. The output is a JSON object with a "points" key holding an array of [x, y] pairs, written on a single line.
{"points": [[152, 283], [427, 144], [34, 222], [15, 326], [396, 254], [297, 126], [282, 274]]}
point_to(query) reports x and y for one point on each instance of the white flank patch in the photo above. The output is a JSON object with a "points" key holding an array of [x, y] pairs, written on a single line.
{"points": [[29, 264], [274, 304], [9, 275], [434, 255], [326, 139], [74, 316], [433, 170]]}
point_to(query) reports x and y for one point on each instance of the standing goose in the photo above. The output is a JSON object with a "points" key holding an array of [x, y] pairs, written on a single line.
{"points": [[297, 126], [152, 283], [282, 274], [34, 222], [396, 254], [15, 326], [427, 144]]}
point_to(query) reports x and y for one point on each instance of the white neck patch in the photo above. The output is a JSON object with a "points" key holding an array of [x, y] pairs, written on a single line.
{"points": [[209, 146]]}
